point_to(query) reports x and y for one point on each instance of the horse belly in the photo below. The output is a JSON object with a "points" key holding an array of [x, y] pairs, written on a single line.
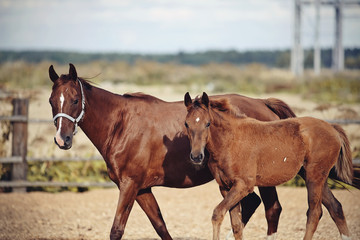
{"points": [[278, 167]]}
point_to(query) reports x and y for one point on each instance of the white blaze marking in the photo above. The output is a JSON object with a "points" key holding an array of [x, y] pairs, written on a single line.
{"points": [[285, 159], [57, 136], [62, 100], [197, 119]]}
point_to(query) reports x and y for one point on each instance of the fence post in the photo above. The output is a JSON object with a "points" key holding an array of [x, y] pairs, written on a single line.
{"points": [[19, 142]]}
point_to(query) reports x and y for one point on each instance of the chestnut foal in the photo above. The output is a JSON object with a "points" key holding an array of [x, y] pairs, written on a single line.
{"points": [[245, 152]]}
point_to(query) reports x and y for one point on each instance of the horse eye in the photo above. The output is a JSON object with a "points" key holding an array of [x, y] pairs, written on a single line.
{"points": [[208, 125], [76, 101], [55, 122], [186, 125]]}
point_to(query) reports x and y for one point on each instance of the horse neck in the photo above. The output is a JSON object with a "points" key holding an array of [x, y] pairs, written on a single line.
{"points": [[220, 130], [100, 106]]}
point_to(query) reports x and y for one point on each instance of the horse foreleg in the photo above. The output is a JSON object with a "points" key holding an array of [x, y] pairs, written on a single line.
{"points": [[147, 202], [235, 216], [336, 212], [231, 198], [272, 210], [128, 191]]}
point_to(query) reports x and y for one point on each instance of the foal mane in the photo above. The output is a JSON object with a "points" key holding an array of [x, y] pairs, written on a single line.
{"points": [[220, 107]]}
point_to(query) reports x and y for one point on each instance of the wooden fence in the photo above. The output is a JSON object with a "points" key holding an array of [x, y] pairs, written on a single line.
{"points": [[19, 159], [19, 121]]}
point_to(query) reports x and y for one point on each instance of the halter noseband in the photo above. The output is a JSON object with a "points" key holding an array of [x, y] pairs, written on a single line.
{"points": [[78, 119]]}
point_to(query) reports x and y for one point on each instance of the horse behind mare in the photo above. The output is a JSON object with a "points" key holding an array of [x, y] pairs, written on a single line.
{"points": [[245, 152]]}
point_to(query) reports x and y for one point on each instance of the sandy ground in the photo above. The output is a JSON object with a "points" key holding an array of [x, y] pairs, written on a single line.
{"points": [[187, 213]]}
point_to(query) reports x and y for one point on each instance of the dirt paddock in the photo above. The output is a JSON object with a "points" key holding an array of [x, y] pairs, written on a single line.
{"points": [[187, 213]]}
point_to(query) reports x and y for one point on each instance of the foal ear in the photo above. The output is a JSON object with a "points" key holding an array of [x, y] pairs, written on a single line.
{"points": [[52, 74], [72, 72], [187, 100], [205, 99]]}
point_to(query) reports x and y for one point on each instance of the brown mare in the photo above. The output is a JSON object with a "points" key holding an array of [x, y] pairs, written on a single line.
{"points": [[245, 152], [144, 144]]}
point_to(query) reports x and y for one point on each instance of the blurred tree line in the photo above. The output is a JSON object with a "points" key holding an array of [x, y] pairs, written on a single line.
{"points": [[275, 58]]}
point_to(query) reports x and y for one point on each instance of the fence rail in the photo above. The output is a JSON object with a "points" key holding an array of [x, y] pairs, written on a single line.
{"points": [[20, 122], [22, 184]]}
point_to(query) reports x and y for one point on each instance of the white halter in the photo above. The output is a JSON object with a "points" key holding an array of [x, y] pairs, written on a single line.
{"points": [[78, 119]]}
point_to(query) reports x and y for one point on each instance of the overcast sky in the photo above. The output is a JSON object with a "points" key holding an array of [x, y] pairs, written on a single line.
{"points": [[163, 26]]}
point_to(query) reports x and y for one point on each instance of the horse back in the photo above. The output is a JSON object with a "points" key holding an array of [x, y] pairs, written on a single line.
{"points": [[251, 107]]}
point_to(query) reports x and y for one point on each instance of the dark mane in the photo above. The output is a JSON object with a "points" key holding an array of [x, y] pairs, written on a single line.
{"points": [[142, 96]]}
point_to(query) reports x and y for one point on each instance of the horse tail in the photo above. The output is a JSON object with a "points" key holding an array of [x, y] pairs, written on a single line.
{"points": [[344, 167], [279, 107]]}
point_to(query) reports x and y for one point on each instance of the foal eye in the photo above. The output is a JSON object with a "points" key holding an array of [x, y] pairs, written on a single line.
{"points": [[208, 125], [186, 125], [76, 101]]}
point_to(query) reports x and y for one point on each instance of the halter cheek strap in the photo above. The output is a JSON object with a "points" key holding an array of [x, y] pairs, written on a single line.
{"points": [[78, 119]]}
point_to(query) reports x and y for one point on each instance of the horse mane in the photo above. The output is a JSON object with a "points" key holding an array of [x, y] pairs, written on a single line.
{"points": [[142, 96], [220, 106]]}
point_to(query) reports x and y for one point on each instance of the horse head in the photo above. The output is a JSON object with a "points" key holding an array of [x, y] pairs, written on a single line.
{"points": [[197, 124], [67, 102]]}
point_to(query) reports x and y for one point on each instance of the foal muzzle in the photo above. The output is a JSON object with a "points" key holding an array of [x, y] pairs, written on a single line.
{"points": [[197, 158]]}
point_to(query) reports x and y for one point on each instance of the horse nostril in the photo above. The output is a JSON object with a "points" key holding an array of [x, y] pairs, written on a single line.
{"points": [[196, 159], [67, 139]]}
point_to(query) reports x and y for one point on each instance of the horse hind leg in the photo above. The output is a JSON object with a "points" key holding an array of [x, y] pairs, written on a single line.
{"points": [[314, 212], [272, 210], [336, 212]]}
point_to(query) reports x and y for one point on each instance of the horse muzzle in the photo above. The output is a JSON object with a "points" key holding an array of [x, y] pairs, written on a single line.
{"points": [[64, 143], [197, 158]]}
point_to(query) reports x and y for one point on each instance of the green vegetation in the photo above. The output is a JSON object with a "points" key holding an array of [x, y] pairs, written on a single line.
{"points": [[91, 171], [270, 58], [213, 77]]}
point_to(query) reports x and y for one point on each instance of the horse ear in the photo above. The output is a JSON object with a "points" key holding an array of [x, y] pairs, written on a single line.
{"points": [[52, 74], [187, 100], [205, 99], [72, 72]]}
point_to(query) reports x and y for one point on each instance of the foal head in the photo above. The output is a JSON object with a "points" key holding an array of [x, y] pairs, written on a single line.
{"points": [[197, 124], [67, 103]]}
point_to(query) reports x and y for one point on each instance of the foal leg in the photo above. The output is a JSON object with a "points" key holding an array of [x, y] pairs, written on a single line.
{"points": [[128, 191], [238, 212], [336, 212], [233, 196], [314, 212], [272, 210], [147, 202]]}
